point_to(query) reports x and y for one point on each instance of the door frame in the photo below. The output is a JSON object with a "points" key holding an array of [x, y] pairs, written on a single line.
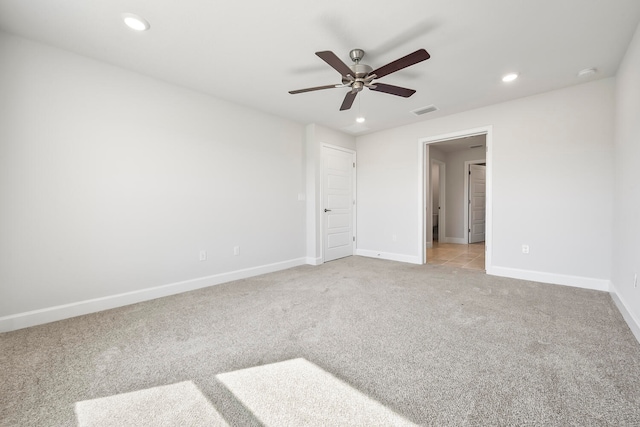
{"points": [[322, 191], [423, 181], [467, 169], [442, 168]]}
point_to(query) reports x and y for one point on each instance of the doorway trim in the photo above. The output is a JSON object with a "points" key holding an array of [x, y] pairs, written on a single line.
{"points": [[321, 206], [466, 204], [423, 180]]}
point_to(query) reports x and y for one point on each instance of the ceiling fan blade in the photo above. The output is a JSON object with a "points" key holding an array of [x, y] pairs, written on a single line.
{"points": [[335, 62], [393, 90], [348, 100], [309, 89], [404, 62]]}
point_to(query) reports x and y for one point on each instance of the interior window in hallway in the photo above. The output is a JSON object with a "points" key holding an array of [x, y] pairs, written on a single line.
{"points": [[465, 256]]}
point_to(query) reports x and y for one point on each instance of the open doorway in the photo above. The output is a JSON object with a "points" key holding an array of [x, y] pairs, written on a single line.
{"points": [[457, 218]]}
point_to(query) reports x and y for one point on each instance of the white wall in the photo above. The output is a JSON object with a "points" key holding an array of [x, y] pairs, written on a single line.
{"points": [[626, 251], [552, 178], [112, 182]]}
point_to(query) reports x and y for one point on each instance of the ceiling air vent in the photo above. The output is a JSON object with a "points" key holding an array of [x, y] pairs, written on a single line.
{"points": [[424, 110]]}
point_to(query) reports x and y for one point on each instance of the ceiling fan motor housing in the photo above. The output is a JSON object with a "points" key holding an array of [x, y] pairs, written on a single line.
{"points": [[360, 71]]}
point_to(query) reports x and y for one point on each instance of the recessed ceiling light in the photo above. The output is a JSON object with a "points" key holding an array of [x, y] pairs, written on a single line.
{"points": [[135, 22], [509, 77], [360, 120], [587, 72]]}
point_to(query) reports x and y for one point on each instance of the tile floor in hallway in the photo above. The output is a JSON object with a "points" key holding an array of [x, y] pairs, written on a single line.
{"points": [[455, 255]]}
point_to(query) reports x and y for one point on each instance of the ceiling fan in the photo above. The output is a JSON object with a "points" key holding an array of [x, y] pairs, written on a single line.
{"points": [[358, 76]]}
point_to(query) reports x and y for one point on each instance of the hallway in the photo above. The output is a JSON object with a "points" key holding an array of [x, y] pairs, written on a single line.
{"points": [[456, 255]]}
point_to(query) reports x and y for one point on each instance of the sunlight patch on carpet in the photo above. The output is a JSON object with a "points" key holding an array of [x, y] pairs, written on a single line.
{"points": [[298, 393], [179, 404]]}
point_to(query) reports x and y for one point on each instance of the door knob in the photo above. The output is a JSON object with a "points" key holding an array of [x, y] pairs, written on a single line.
{"points": [[327, 210]]}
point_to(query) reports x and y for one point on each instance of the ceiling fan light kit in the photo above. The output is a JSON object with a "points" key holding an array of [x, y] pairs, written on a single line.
{"points": [[358, 76]]}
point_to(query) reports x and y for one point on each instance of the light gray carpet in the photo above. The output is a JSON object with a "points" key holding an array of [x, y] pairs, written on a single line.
{"points": [[428, 345]]}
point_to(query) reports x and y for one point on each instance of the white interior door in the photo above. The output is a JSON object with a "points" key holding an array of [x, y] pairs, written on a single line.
{"points": [[338, 202], [477, 202]]}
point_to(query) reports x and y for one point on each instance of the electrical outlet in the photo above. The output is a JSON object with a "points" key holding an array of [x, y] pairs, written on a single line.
{"points": [[236, 250], [525, 249], [394, 237], [203, 255]]}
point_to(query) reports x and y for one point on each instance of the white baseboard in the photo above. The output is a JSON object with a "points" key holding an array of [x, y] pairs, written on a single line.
{"points": [[389, 256], [555, 279], [429, 244], [634, 324], [60, 312], [314, 261]]}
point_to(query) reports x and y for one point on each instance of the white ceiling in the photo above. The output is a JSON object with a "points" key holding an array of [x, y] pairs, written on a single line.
{"points": [[460, 144], [254, 52]]}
